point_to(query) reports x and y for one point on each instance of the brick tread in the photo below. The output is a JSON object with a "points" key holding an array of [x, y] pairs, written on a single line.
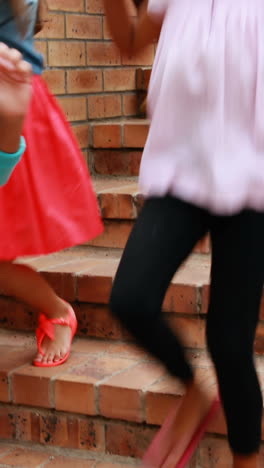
{"points": [[118, 198], [31, 456], [120, 202], [84, 277], [98, 380], [81, 265]]}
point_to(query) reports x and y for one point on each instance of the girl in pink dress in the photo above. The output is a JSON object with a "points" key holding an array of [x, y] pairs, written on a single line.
{"points": [[202, 172], [47, 202]]}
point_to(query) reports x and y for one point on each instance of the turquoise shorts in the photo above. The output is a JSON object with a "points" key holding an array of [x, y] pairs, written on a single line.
{"points": [[8, 162]]}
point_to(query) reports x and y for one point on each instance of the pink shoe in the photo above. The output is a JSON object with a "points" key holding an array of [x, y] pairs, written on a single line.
{"points": [[152, 454]]}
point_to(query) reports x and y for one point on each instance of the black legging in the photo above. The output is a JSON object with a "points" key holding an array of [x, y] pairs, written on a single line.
{"points": [[164, 235]]}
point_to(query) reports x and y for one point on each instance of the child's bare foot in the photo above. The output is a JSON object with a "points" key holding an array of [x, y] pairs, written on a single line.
{"points": [[182, 425], [55, 350], [192, 411], [246, 462], [25, 284]]}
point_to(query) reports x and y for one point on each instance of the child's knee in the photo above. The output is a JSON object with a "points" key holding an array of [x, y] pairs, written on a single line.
{"points": [[228, 349], [130, 303], [122, 301], [5, 265]]}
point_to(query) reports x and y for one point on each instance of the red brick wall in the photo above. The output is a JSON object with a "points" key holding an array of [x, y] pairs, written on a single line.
{"points": [[84, 68]]}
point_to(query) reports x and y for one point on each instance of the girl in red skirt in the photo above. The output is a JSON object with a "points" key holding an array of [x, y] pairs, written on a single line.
{"points": [[47, 203]]}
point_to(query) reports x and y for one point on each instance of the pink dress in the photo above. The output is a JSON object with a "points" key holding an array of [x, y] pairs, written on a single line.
{"points": [[49, 203], [206, 103]]}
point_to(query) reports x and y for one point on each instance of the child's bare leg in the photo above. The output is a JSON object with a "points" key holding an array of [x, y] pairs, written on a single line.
{"points": [[246, 462], [26, 285], [20, 281], [193, 409]]}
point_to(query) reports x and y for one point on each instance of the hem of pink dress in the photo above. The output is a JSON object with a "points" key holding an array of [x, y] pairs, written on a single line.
{"points": [[47, 250]]}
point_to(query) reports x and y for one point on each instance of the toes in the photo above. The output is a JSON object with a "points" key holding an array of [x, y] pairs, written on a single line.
{"points": [[38, 358], [56, 350], [61, 354], [58, 357], [48, 358]]}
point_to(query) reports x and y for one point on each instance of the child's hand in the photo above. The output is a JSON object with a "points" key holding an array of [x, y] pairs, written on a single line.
{"points": [[15, 94], [15, 84]]}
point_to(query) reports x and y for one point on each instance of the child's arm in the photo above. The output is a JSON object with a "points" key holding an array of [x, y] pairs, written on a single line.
{"points": [[130, 34], [10, 133], [15, 95]]}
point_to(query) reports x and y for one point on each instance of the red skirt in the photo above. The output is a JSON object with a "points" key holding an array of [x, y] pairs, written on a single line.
{"points": [[49, 203]]}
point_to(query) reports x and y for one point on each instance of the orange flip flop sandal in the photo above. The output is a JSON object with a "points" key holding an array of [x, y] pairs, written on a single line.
{"points": [[46, 328]]}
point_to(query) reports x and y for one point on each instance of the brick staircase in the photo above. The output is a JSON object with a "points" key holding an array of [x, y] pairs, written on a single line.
{"points": [[104, 405], [102, 408]]}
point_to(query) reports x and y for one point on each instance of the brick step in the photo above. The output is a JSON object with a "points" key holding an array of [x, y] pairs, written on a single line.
{"points": [[142, 81], [109, 398], [120, 202], [84, 277], [116, 146], [106, 393], [116, 233], [143, 77], [30, 455], [211, 451], [99, 372], [119, 134], [118, 162], [119, 199]]}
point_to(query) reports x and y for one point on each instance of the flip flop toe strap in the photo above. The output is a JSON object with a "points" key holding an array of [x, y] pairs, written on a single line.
{"points": [[46, 327]]}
